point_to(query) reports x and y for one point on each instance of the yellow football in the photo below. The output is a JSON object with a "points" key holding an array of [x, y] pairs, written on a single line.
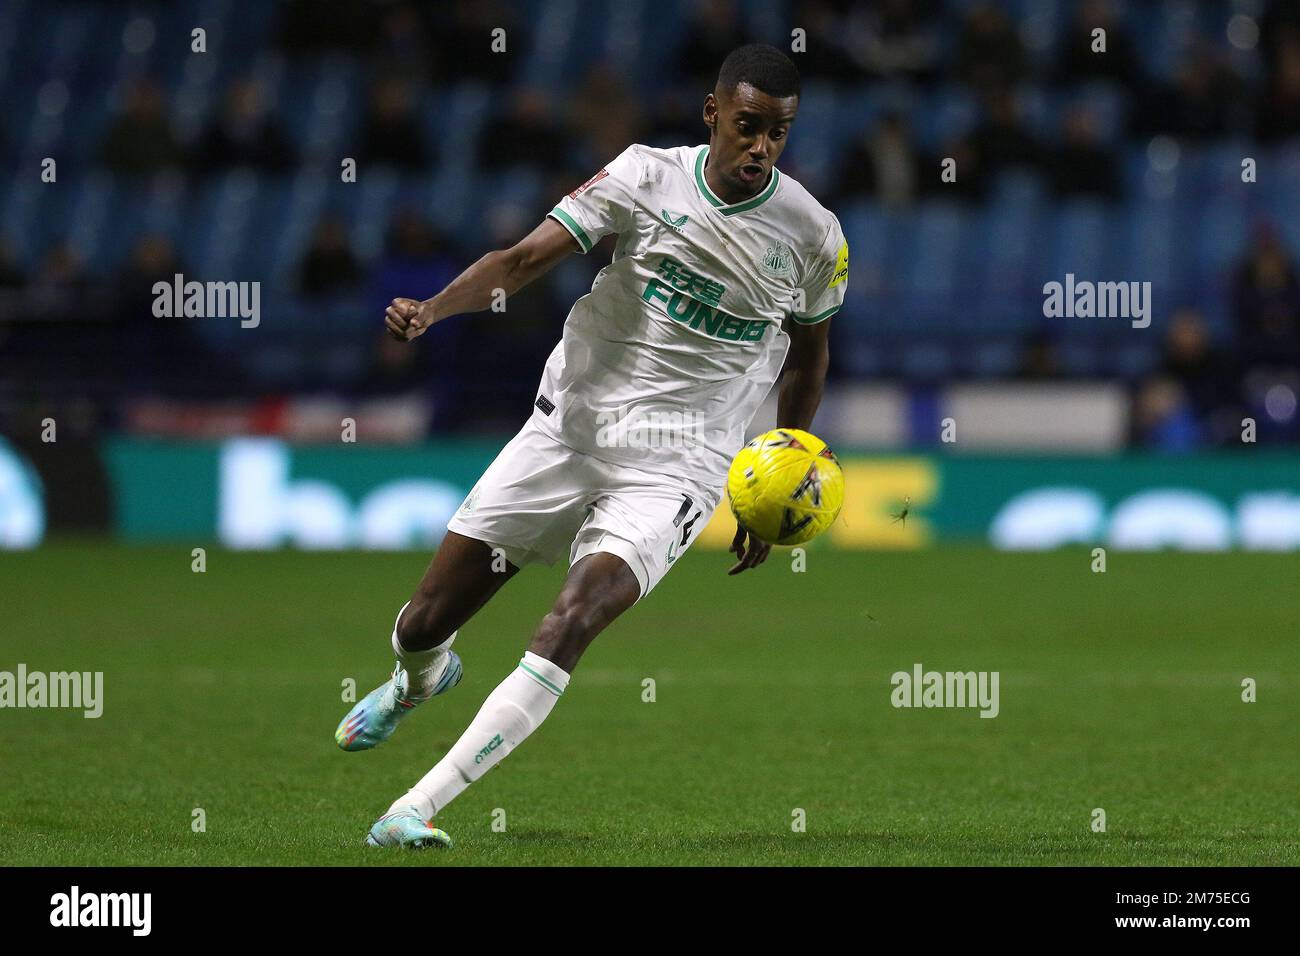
{"points": [[785, 486]]}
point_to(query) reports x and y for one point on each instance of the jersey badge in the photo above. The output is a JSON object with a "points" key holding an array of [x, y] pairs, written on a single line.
{"points": [[590, 182], [777, 260]]}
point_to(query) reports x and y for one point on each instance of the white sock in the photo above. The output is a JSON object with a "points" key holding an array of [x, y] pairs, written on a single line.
{"points": [[511, 712], [423, 668]]}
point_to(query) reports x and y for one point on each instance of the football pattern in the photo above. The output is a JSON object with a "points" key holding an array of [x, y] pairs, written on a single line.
{"points": [[785, 486]]}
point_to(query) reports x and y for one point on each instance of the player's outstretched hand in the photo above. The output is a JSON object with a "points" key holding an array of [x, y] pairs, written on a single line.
{"points": [[750, 557], [407, 318]]}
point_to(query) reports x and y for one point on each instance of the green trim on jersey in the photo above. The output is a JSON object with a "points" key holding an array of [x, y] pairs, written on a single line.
{"points": [[718, 204], [567, 222], [814, 319]]}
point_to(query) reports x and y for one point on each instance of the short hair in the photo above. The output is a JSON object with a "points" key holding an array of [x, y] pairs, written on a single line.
{"points": [[763, 67]]}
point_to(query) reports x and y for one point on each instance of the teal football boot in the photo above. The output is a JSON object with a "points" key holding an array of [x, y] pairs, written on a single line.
{"points": [[403, 827], [375, 717]]}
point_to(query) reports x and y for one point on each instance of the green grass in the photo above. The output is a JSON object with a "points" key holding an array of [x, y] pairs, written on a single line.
{"points": [[1118, 690]]}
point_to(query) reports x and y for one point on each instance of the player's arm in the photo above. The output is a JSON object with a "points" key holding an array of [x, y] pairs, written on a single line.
{"points": [[804, 377], [474, 289], [802, 383]]}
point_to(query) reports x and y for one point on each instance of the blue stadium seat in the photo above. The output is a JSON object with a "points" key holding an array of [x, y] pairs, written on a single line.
{"points": [[938, 233], [1137, 357], [949, 112], [990, 357], [1152, 242], [1079, 358], [1083, 242], [927, 361], [1007, 251]]}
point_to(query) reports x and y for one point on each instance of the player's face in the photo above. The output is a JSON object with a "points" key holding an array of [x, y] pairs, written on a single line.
{"points": [[749, 131]]}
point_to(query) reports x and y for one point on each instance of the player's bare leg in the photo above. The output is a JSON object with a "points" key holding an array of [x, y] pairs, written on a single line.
{"points": [[461, 578], [598, 589]]}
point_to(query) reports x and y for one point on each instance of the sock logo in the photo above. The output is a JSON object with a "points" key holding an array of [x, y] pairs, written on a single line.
{"points": [[493, 744]]}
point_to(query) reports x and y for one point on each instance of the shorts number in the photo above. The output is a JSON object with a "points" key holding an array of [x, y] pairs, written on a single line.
{"points": [[686, 528], [687, 505]]}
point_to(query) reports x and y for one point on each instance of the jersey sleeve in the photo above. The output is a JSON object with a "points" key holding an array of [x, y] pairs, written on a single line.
{"points": [[603, 204], [825, 279]]}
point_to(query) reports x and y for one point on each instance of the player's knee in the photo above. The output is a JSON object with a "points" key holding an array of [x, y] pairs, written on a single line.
{"points": [[423, 625], [567, 630]]}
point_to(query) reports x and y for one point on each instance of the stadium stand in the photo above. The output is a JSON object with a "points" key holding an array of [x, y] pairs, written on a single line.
{"points": [[225, 164]]}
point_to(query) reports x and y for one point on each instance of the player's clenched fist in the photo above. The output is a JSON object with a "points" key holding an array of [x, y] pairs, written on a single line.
{"points": [[406, 318]]}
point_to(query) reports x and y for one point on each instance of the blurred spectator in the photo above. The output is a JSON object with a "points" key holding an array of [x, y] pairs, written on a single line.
{"points": [[417, 262], [463, 34], [607, 114], [1203, 101], [902, 40], [154, 353], [1118, 64], [53, 338], [1039, 361], [1266, 298], [59, 281], [714, 31], [57, 341], [141, 138], [316, 26], [329, 267], [11, 273], [1209, 379], [529, 133], [402, 36], [676, 118], [244, 134], [1279, 25], [1163, 419], [828, 38], [882, 163], [1278, 115], [972, 182], [393, 134], [395, 368], [152, 259], [990, 55], [1082, 166], [1002, 139]]}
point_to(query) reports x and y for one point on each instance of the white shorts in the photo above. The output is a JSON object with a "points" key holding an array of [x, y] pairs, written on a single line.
{"points": [[540, 499]]}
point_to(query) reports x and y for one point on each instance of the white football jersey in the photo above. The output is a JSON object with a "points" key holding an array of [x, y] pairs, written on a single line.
{"points": [[665, 362]]}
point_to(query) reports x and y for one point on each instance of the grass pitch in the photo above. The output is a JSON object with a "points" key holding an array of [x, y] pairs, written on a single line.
{"points": [[1119, 691]]}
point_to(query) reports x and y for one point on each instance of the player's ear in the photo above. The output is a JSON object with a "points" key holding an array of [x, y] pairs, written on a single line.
{"points": [[710, 110]]}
